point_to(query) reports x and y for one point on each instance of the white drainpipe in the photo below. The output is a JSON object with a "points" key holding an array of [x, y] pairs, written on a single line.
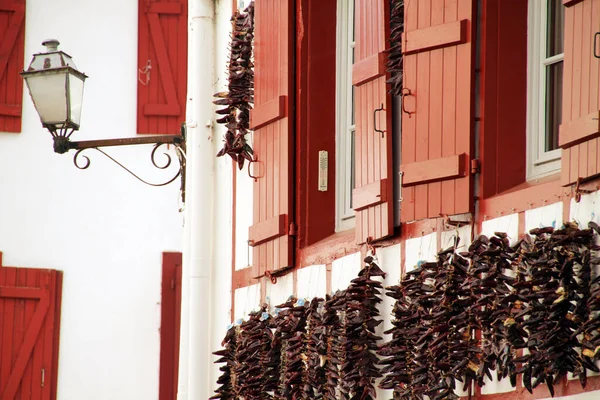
{"points": [[195, 354]]}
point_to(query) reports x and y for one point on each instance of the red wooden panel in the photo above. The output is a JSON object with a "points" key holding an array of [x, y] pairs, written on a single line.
{"points": [[579, 130], [369, 195], [273, 142], [162, 63], [436, 36], [267, 230], [315, 118], [170, 319], [268, 112], [12, 45], [441, 94], [30, 327], [369, 68], [432, 170], [373, 151], [504, 92]]}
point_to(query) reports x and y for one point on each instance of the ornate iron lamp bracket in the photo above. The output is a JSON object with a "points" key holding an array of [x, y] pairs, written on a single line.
{"points": [[63, 144]]}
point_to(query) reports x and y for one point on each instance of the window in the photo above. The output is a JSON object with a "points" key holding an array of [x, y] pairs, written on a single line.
{"points": [[345, 127], [546, 54]]}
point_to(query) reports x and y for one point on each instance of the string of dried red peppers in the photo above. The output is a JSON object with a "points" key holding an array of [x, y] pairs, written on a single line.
{"points": [[541, 295], [239, 98]]}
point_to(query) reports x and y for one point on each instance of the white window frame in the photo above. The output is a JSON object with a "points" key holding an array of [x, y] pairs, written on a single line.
{"points": [[344, 214], [540, 162]]}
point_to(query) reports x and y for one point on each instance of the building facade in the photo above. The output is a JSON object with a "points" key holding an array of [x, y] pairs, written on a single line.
{"points": [[493, 128]]}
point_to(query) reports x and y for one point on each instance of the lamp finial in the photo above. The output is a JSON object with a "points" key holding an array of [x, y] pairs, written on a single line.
{"points": [[51, 45]]}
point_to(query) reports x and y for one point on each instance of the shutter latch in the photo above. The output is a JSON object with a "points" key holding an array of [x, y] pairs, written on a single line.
{"points": [[475, 166], [293, 229]]}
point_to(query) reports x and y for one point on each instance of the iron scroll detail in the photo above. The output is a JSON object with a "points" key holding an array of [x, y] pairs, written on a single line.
{"points": [[84, 164]]}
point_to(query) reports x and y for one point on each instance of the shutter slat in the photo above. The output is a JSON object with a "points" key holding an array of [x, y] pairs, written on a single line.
{"points": [[267, 230], [369, 69], [11, 110], [369, 195], [434, 170], [579, 130], [165, 8], [268, 112], [448, 34]]}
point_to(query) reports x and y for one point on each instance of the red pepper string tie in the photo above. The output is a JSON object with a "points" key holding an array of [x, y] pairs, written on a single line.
{"points": [[370, 247]]}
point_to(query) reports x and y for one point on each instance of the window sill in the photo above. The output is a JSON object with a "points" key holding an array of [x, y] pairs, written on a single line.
{"points": [[527, 195], [325, 251]]}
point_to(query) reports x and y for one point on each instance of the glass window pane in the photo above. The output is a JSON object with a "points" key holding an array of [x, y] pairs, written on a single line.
{"points": [[554, 78], [556, 24]]}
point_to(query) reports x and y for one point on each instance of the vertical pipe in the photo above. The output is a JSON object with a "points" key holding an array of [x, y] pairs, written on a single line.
{"points": [[197, 257]]}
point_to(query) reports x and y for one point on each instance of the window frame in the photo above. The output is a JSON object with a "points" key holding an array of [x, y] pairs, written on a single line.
{"points": [[540, 163], [344, 107]]}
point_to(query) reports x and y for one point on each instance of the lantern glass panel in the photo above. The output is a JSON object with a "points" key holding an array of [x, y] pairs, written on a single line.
{"points": [[49, 94], [75, 98]]}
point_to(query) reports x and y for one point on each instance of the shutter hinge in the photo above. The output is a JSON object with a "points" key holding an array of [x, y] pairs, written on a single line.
{"points": [[43, 377], [293, 229], [475, 166]]}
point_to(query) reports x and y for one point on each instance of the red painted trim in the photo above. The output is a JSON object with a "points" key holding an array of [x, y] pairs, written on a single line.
{"points": [[268, 112], [434, 170], [569, 3], [435, 37], [368, 69], [369, 195], [579, 130], [170, 319], [267, 230]]}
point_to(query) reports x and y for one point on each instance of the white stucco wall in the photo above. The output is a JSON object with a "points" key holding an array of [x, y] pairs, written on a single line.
{"points": [[103, 228]]}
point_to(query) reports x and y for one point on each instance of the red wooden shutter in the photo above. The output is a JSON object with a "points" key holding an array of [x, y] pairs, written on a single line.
{"points": [[170, 321], [29, 325], [162, 63], [437, 127], [12, 49], [271, 120], [578, 135], [372, 198]]}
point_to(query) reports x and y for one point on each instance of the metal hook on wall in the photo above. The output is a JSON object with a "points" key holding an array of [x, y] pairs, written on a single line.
{"points": [[145, 71]]}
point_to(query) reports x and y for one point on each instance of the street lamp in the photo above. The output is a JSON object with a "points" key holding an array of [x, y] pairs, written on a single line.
{"points": [[56, 89]]}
